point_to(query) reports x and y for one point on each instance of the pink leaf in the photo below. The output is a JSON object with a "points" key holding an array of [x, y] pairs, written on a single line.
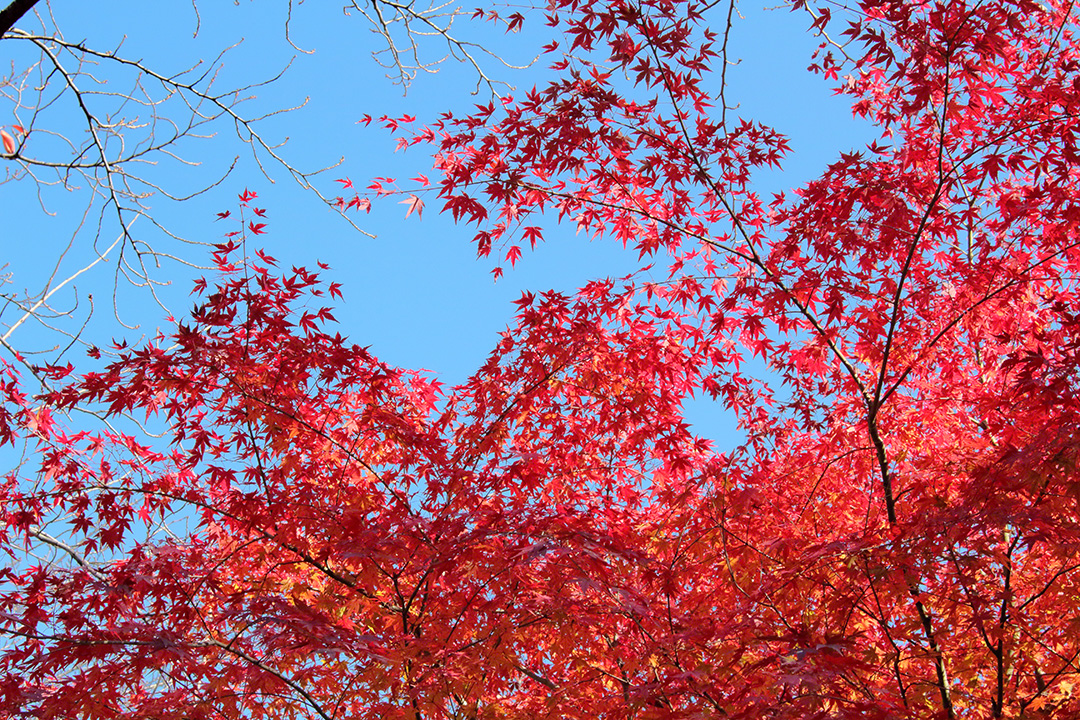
{"points": [[415, 204]]}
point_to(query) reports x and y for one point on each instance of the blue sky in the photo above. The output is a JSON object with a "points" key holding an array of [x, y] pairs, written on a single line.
{"points": [[416, 292]]}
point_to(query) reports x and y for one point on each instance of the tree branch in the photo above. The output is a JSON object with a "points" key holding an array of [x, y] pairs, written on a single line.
{"points": [[13, 13]]}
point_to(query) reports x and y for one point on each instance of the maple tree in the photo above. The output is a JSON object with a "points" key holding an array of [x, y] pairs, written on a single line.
{"points": [[897, 536]]}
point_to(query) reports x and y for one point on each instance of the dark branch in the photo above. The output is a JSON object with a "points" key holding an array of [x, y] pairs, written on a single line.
{"points": [[13, 13]]}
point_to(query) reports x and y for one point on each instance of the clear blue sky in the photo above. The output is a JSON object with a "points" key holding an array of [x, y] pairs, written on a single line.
{"points": [[416, 294]]}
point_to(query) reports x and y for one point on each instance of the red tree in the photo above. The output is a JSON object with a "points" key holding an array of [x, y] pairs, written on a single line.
{"points": [[896, 538]]}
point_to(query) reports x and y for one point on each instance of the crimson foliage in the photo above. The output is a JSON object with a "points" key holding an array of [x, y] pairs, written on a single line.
{"points": [[898, 536]]}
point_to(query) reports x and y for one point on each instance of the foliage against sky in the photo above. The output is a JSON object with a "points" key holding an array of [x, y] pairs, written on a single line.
{"points": [[424, 278], [896, 537]]}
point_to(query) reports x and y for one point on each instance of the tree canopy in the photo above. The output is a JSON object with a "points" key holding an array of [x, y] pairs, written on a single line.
{"points": [[318, 534]]}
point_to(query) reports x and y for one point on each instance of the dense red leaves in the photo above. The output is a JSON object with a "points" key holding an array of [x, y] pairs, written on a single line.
{"points": [[320, 535]]}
